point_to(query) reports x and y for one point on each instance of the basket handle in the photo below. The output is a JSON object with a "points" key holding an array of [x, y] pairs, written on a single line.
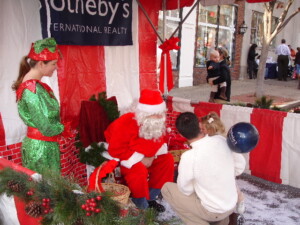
{"points": [[98, 185], [108, 167]]}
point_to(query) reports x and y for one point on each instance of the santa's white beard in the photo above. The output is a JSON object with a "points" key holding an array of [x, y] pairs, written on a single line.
{"points": [[151, 128]]}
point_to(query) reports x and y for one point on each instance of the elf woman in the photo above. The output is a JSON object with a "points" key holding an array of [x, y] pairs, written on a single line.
{"points": [[39, 109]]}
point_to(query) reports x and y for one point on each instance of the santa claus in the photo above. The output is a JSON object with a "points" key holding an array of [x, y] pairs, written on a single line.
{"points": [[137, 139]]}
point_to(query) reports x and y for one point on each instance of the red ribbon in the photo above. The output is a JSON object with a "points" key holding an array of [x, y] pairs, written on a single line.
{"points": [[106, 168], [34, 133], [166, 47]]}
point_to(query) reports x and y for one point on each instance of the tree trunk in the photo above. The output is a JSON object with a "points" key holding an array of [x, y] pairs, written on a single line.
{"points": [[261, 70]]}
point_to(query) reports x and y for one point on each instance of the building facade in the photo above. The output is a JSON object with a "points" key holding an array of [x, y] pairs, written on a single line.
{"points": [[208, 27]]}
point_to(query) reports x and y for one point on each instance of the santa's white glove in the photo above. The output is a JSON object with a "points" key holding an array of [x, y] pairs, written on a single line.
{"points": [[163, 150]]}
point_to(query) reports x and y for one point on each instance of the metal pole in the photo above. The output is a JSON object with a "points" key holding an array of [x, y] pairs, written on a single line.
{"points": [[180, 24], [165, 55], [218, 27], [148, 18]]}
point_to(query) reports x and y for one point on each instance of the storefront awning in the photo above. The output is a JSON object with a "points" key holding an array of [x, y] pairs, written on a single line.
{"points": [[216, 2]]}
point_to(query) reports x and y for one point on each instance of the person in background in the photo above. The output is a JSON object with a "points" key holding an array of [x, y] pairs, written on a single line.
{"points": [[137, 139], [39, 109], [252, 65], [283, 52], [225, 74], [293, 54], [297, 65], [205, 192], [213, 73], [211, 125]]}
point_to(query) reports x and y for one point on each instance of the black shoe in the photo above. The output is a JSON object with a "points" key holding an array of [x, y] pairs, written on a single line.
{"points": [[157, 207]]}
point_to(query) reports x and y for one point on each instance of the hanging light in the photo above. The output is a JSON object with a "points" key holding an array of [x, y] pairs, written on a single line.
{"points": [[243, 28]]}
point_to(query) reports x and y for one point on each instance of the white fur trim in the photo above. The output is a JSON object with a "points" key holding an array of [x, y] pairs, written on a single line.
{"points": [[163, 150], [134, 158], [152, 108]]}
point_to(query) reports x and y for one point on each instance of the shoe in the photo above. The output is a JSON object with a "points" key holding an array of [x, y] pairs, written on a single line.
{"points": [[240, 207], [156, 206]]}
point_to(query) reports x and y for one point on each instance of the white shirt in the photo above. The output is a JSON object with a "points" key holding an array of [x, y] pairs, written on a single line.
{"points": [[283, 49], [209, 169]]}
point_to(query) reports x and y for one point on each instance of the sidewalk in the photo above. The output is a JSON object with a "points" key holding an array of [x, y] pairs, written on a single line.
{"points": [[282, 92]]}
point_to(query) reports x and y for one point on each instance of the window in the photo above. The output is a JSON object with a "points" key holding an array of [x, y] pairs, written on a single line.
{"points": [[215, 28], [257, 28], [173, 18]]}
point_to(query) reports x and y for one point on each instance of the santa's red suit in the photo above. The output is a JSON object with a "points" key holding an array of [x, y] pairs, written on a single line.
{"points": [[125, 144]]}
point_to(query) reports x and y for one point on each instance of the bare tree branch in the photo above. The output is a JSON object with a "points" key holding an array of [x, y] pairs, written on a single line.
{"points": [[285, 11], [283, 24], [287, 20]]}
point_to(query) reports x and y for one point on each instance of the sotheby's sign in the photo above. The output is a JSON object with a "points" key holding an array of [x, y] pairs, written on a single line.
{"points": [[87, 22]]}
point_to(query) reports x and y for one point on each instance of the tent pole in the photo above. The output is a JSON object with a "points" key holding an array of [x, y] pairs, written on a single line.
{"points": [[148, 18], [186, 16], [165, 55]]}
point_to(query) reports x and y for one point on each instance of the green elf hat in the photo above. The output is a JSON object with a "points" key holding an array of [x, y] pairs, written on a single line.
{"points": [[44, 50]]}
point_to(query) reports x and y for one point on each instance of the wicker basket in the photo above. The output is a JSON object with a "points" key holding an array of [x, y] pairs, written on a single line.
{"points": [[120, 192], [177, 154]]}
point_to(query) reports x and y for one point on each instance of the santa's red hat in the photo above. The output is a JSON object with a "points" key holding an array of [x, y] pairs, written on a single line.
{"points": [[151, 101]]}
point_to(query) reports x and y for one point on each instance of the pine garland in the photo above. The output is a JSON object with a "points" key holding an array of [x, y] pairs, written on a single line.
{"points": [[53, 196], [110, 107], [93, 156]]}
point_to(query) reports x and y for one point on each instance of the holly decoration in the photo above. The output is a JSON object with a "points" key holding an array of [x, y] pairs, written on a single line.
{"points": [[91, 206], [54, 200]]}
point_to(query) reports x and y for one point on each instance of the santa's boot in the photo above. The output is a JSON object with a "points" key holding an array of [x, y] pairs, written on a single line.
{"points": [[212, 97], [223, 93]]}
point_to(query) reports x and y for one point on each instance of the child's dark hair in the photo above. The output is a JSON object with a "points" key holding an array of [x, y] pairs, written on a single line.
{"points": [[187, 124]]}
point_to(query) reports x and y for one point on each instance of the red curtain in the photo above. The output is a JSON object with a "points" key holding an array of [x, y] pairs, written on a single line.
{"points": [[203, 108], [2, 132], [81, 73]]}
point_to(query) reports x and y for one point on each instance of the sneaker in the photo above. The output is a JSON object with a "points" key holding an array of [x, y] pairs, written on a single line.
{"points": [[156, 206], [240, 207]]}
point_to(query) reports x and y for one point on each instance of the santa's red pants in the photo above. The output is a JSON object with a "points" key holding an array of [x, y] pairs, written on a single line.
{"points": [[139, 178]]}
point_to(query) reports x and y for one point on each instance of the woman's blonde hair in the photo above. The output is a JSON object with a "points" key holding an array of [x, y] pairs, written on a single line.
{"points": [[213, 124], [223, 51]]}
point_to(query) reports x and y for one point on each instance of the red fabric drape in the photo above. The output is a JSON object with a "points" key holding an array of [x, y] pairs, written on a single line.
{"points": [[265, 159], [173, 4], [2, 133], [203, 108], [166, 47], [81, 73], [93, 122]]}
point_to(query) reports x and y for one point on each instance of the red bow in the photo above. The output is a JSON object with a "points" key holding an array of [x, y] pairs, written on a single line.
{"points": [[166, 47]]}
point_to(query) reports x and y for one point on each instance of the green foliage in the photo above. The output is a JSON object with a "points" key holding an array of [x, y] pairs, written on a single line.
{"points": [[93, 156], [263, 103], [110, 107], [65, 204]]}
